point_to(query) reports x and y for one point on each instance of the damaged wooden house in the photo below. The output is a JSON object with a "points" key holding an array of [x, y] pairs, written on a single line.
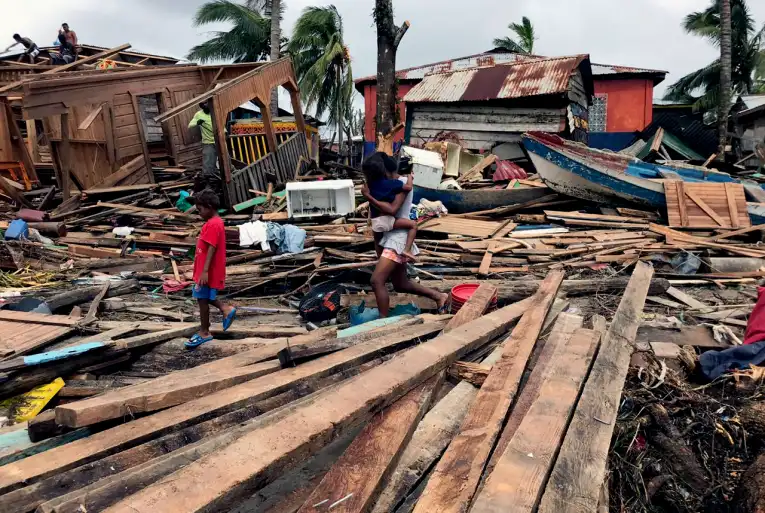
{"points": [[110, 128], [488, 108]]}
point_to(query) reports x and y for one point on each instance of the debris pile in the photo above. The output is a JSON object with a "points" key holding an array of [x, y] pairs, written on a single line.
{"points": [[586, 322]]}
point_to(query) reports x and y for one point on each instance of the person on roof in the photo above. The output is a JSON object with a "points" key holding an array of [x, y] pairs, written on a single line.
{"points": [[66, 53], [70, 35], [31, 50]]}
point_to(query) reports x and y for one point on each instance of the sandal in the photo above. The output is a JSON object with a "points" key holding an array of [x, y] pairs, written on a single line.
{"points": [[197, 341], [229, 320]]}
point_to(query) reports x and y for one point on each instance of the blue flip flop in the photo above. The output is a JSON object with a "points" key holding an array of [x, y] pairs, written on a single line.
{"points": [[229, 320], [197, 341]]}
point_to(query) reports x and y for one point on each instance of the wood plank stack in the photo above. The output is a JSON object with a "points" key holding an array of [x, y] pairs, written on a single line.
{"points": [[233, 426]]}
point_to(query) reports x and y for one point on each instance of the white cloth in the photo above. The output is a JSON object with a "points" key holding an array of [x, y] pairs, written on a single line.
{"points": [[254, 233]]}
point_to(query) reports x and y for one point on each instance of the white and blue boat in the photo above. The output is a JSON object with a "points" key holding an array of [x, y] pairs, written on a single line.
{"points": [[610, 178]]}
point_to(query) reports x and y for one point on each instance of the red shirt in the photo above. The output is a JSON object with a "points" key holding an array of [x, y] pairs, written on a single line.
{"points": [[213, 234]]}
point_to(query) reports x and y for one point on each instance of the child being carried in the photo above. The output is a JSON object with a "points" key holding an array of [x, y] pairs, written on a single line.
{"points": [[381, 190]]}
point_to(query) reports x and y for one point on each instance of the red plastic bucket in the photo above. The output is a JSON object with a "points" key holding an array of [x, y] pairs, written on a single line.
{"points": [[461, 293]]}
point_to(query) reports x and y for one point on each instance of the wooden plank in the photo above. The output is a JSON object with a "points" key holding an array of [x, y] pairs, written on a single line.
{"points": [[93, 310], [138, 431], [170, 390], [732, 208], [681, 203], [517, 482], [474, 307], [736, 233], [706, 208], [455, 479], [85, 124], [485, 266], [217, 481], [574, 484], [564, 328], [685, 298], [555, 214], [354, 481]]}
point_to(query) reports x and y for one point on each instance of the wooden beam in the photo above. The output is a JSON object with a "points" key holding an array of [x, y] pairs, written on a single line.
{"points": [[574, 484], [730, 192], [91, 117], [706, 208], [517, 482], [65, 154], [455, 479], [680, 188], [564, 328], [138, 431], [67, 67], [218, 481], [182, 386], [474, 307], [685, 298], [354, 481]]}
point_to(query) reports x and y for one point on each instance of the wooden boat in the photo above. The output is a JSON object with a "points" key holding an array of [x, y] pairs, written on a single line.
{"points": [[476, 200], [612, 178]]}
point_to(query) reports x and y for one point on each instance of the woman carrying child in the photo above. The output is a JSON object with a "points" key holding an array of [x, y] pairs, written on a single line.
{"points": [[393, 245]]}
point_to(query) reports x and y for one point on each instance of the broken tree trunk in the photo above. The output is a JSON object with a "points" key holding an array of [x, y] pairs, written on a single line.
{"points": [[388, 39], [574, 485], [455, 479]]}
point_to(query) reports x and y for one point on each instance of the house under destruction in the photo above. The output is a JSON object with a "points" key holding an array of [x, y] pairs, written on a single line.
{"points": [[101, 128]]}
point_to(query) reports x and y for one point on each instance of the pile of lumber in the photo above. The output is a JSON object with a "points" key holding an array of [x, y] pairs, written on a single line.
{"points": [[382, 422]]}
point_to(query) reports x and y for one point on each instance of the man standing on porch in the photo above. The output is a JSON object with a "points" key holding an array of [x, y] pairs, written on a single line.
{"points": [[203, 120]]}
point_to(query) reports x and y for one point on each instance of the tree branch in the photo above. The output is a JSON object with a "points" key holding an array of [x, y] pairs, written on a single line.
{"points": [[400, 33]]}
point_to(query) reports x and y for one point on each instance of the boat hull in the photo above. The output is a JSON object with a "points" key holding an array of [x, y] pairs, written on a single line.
{"points": [[574, 177], [466, 201]]}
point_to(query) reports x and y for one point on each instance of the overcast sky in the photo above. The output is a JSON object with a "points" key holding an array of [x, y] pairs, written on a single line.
{"points": [[640, 33]]}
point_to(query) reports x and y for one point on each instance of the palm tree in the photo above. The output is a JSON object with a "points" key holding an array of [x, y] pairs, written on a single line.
{"points": [[702, 86], [725, 74], [273, 10], [247, 41], [526, 37], [323, 64]]}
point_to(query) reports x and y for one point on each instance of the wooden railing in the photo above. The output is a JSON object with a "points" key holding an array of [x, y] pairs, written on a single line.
{"points": [[282, 164]]}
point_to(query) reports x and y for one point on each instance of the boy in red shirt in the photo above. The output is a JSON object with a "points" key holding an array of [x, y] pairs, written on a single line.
{"points": [[210, 267]]}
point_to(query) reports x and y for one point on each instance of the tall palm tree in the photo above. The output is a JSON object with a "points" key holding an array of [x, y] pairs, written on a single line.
{"points": [[273, 10], [747, 56], [725, 74], [525, 34], [323, 64], [247, 41]]}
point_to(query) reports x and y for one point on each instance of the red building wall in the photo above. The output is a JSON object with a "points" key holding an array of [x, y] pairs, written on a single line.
{"points": [[370, 110], [630, 103]]}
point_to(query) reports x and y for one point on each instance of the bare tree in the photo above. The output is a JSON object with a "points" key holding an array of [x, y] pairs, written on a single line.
{"points": [[388, 38], [725, 74]]}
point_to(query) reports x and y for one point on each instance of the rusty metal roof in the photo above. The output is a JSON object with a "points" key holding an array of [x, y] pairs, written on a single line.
{"points": [[498, 56], [505, 81]]}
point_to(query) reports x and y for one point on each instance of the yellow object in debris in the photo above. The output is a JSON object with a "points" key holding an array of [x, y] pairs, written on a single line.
{"points": [[26, 406]]}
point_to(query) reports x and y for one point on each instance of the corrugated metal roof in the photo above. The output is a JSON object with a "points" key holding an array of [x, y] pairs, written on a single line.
{"points": [[506, 81], [752, 101], [608, 69], [492, 58]]}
